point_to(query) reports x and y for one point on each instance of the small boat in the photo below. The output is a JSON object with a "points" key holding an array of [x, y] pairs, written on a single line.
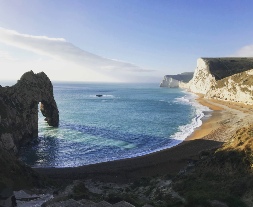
{"points": [[99, 95]]}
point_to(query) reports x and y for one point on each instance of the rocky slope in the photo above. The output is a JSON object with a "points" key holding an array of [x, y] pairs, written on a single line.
{"points": [[174, 81], [216, 78], [236, 88], [19, 109]]}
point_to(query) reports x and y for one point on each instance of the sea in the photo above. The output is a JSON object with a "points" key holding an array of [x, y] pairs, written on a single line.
{"points": [[128, 120]]}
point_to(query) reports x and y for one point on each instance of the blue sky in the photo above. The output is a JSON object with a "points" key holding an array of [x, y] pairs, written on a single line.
{"points": [[120, 40]]}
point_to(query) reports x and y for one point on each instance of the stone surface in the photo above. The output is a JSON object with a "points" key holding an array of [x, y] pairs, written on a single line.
{"points": [[67, 203], [19, 109], [103, 204], [25, 199], [123, 204], [7, 198], [216, 203]]}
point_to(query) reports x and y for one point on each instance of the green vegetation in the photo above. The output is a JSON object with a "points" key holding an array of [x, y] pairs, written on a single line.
{"points": [[225, 67]]}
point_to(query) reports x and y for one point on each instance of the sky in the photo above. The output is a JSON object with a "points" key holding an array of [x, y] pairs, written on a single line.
{"points": [[119, 40]]}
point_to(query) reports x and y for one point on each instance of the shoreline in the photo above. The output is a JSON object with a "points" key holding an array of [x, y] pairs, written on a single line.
{"points": [[226, 118], [209, 124]]}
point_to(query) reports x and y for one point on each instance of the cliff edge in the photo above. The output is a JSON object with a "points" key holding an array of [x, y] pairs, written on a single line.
{"points": [[19, 109]]}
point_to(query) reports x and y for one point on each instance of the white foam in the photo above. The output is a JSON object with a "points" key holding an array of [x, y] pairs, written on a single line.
{"points": [[182, 100], [186, 130], [108, 96]]}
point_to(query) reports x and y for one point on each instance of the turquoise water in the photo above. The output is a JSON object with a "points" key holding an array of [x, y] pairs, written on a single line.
{"points": [[128, 120]]}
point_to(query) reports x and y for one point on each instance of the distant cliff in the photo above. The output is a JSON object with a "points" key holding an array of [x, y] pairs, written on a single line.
{"points": [[224, 79], [173, 81], [19, 109]]}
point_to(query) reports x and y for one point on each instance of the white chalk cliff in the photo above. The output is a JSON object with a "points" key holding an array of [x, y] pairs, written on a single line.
{"points": [[169, 82], [236, 88], [229, 79], [202, 80], [175, 81]]}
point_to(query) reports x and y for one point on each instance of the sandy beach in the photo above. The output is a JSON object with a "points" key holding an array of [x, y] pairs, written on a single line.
{"points": [[225, 119]]}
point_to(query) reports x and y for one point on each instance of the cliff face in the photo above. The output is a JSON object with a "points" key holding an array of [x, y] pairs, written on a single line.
{"points": [[202, 79], [169, 82], [174, 81], [216, 78], [236, 88], [19, 109]]}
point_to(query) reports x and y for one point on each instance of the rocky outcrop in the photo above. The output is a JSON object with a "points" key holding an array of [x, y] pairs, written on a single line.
{"points": [[236, 88], [19, 109], [211, 70], [174, 81]]}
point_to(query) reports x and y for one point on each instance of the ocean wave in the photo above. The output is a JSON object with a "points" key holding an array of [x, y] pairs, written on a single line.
{"points": [[186, 130], [182, 100]]}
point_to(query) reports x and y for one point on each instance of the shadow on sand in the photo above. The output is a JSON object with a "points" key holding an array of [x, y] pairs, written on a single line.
{"points": [[169, 161]]}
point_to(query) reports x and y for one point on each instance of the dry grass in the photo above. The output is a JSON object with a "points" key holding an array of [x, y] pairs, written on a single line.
{"points": [[225, 174]]}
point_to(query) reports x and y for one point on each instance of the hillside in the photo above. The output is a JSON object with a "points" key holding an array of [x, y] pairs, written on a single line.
{"points": [[224, 174]]}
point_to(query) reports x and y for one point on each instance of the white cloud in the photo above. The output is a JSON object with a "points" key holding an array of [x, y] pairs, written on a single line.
{"points": [[56, 71], [246, 51], [59, 48], [6, 56]]}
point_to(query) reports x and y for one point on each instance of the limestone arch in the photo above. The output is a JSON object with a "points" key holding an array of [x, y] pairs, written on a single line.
{"points": [[19, 109]]}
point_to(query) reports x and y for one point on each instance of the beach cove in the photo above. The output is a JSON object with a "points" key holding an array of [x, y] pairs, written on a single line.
{"points": [[226, 118], [129, 120]]}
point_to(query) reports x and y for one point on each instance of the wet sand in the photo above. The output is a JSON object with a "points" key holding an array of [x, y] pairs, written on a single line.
{"points": [[209, 124], [225, 119]]}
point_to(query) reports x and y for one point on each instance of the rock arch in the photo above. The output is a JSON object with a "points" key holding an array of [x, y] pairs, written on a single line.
{"points": [[19, 109]]}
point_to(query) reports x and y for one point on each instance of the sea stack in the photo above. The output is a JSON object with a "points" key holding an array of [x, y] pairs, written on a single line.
{"points": [[19, 109]]}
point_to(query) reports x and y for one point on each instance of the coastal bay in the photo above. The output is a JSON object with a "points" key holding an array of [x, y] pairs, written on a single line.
{"points": [[224, 124]]}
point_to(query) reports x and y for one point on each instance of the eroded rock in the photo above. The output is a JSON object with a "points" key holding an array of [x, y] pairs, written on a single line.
{"points": [[19, 109]]}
